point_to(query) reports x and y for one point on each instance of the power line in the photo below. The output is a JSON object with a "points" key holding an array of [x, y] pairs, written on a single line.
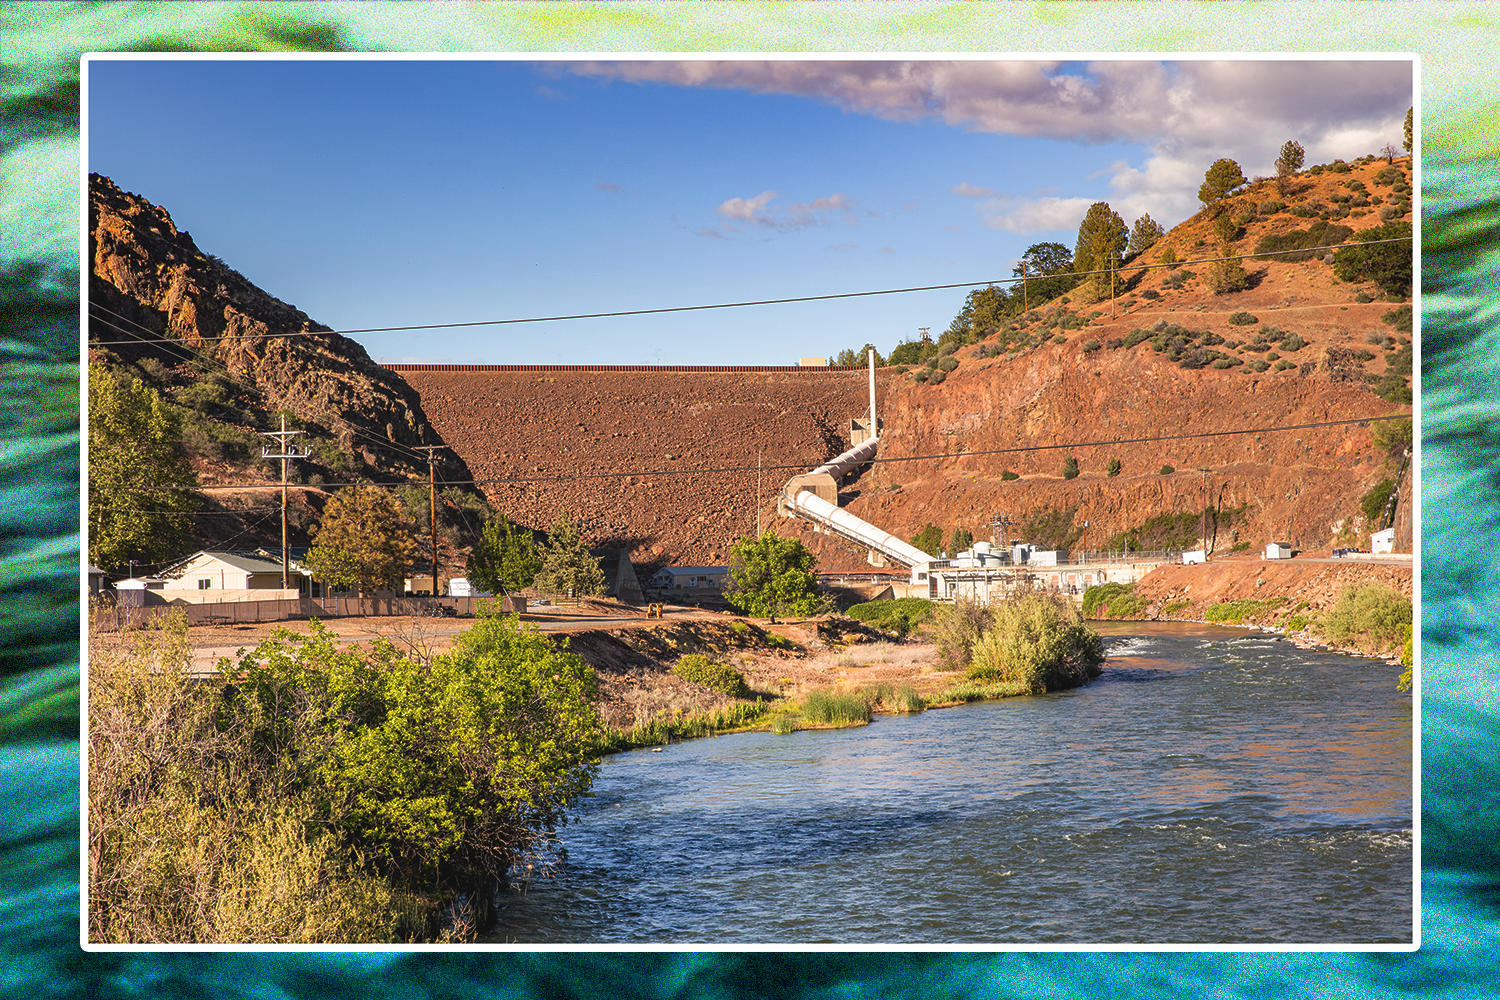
{"points": [[617, 313], [802, 465]]}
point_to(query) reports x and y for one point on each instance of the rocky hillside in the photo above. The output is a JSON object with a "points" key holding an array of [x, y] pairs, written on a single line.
{"points": [[151, 281]]}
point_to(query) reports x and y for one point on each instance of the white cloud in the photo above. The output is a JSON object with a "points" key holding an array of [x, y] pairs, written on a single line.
{"points": [[745, 209], [1034, 214], [799, 215], [606, 186], [968, 190], [844, 247]]}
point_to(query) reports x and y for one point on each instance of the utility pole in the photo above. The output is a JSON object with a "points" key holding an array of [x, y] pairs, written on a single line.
{"points": [[1025, 293], [432, 497], [284, 454]]}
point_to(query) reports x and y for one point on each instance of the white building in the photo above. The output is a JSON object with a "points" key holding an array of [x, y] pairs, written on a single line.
{"points": [[209, 577], [690, 578], [1383, 542], [1279, 550], [1194, 557]]}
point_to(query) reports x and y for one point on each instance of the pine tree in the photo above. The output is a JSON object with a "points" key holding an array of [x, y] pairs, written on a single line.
{"points": [[1228, 276], [365, 541], [1144, 234], [567, 564], [1070, 468], [1287, 165], [1220, 179], [1102, 237], [135, 461], [1406, 142]]}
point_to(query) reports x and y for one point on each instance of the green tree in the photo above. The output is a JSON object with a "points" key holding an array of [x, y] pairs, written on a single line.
{"points": [[1220, 179], [454, 773], [567, 564], [135, 461], [859, 357], [1387, 264], [913, 352], [961, 541], [929, 539], [504, 558], [1143, 235], [1228, 276], [1070, 468], [1406, 132], [771, 576], [1102, 237], [1114, 468], [1046, 267], [1287, 165], [365, 541], [1392, 438]]}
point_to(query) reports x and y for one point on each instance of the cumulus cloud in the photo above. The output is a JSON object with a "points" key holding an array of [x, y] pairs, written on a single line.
{"points": [[1030, 215], [745, 209], [1203, 103], [1186, 113], [606, 186]]}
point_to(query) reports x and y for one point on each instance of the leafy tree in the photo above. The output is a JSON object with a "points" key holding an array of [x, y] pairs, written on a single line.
{"points": [[771, 576], [961, 541], [365, 541], [1372, 504], [1070, 468], [454, 773], [1045, 267], [1114, 467], [504, 558], [929, 539], [135, 457], [1387, 264], [913, 352], [1144, 234], [1406, 132], [1102, 236], [1392, 438], [1220, 179], [1287, 165], [567, 564]]}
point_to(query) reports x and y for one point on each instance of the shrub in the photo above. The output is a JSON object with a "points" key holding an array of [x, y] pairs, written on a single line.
{"points": [[1059, 339], [1398, 318], [956, 628], [1292, 343], [1369, 616], [1167, 470], [1090, 346], [1387, 264], [1257, 366], [1039, 642], [1222, 363], [1295, 245], [1114, 467], [1233, 612], [1119, 598], [899, 616], [1373, 503], [1242, 318], [1008, 476], [947, 364], [711, 674], [1271, 207], [937, 377], [1070, 468]]}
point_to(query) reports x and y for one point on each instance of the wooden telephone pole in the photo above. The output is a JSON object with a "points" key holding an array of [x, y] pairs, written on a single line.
{"points": [[284, 454], [432, 497]]}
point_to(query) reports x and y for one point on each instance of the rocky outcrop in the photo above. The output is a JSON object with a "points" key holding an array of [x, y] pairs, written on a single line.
{"points": [[151, 280]]}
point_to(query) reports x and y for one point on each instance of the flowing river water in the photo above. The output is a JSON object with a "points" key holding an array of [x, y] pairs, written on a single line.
{"points": [[1214, 785]]}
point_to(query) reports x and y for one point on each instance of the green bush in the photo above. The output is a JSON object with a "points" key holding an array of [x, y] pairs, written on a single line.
{"points": [[1039, 642], [1368, 616], [1296, 623], [1167, 470], [899, 616], [947, 364], [1292, 343], [956, 628], [1059, 339], [1009, 476], [1090, 346], [1387, 264], [1114, 468], [720, 677], [1243, 318], [1257, 366], [1119, 597], [1297, 245], [1070, 468], [1398, 318], [888, 698]]}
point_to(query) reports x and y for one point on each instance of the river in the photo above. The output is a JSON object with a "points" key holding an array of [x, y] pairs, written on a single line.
{"points": [[1215, 785]]}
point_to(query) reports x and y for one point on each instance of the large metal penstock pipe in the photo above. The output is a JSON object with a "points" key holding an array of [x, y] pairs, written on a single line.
{"points": [[850, 460], [815, 508]]}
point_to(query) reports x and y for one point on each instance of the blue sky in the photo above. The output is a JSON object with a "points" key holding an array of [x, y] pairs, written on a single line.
{"points": [[376, 193]]}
